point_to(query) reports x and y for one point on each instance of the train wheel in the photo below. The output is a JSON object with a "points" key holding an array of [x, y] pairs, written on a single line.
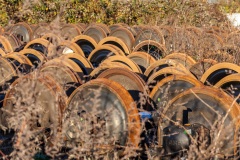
{"points": [[218, 71], [142, 59], [231, 85], [151, 47], [41, 45], [96, 32], [199, 68], [125, 35], [116, 42], [124, 60], [114, 116], [201, 107], [128, 79], [160, 64], [86, 43], [186, 60]]}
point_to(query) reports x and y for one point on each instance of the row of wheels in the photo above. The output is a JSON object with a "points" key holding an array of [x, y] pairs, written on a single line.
{"points": [[98, 95]]}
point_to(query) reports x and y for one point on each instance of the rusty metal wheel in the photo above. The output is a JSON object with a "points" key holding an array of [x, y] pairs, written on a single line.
{"points": [[104, 27], [125, 35], [41, 45], [22, 64], [62, 74], [128, 79], [218, 71], [81, 61], [69, 47], [153, 48], [124, 60], [43, 89], [183, 58], [15, 43], [22, 31], [5, 45], [113, 27], [86, 43], [169, 87], [69, 63], [116, 42], [2, 53], [120, 52], [83, 26], [52, 38], [165, 72], [199, 68], [139, 28], [36, 58], [8, 73], [102, 108], [142, 59], [160, 64], [150, 33], [231, 85], [69, 31], [40, 30], [100, 53], [96, 32], [94, 74], [207, 108]]}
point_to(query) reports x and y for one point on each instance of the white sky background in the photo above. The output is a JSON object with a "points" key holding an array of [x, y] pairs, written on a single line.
{"points": [[234, 18]]}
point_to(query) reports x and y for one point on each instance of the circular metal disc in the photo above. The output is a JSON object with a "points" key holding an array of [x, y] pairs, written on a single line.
{"points": [[160, 64], [41, 45], [48, 106], [36, 58], [23, 31], [199, 68], [169, 87], [231, 85], [211, 108], [104, 67], [142, 59], [116, 42], [86, 43], [96, 32], [101, 53], [8, 73], [165, 72], [218, 71], [124, 60], [183, 58], [150, 33], [108, 111], [128, 79], [5, 45], [63, 75], [153, 48], [69, 31], [70, 47], [81, 61], [125, 35]]}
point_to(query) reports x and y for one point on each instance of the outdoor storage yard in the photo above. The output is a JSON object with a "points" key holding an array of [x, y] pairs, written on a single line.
{"points": [[113, 80]]}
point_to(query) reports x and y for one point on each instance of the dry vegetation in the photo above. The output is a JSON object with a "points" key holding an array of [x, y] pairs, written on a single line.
{"points": [[197, 41]]}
